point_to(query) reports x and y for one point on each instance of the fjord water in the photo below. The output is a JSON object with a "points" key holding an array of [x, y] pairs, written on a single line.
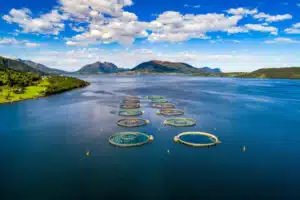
{"points": [[43, 143]]}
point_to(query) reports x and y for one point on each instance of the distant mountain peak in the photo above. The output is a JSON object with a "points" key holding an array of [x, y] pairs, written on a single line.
{"points": [[100, 67]]}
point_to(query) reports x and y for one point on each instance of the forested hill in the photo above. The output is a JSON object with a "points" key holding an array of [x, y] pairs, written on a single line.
{"points": [[280, 73], [17, 85], [17, 65]]}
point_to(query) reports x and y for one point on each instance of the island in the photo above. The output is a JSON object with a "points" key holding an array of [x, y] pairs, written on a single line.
{"points": [[28, 83]]}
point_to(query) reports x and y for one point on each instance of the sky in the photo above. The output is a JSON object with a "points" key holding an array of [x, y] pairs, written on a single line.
{"points": [[234, 35]]}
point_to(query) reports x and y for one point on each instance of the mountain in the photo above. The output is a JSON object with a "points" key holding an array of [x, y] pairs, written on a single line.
{"points": [[157, 66], [211, 70], [17, 65], [43, 68], [99, 68]]}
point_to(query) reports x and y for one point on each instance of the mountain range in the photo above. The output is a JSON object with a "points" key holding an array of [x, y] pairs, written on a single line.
{"points": [[153, 66]]}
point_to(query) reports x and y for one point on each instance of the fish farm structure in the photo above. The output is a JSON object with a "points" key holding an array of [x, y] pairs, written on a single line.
{"points": [[180, 122], [130, 139], [131, 101], [170, 112], [159, 100], [132, 122], [213, 140], [130, 106], [130, 112], [163, 105]]}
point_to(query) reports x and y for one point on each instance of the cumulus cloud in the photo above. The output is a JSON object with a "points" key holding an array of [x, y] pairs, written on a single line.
{"points": [[49, 23], [282, 40], [295, 29], [172, 26], [269, 18], [15, 42], [241, 11], [258, 27]]}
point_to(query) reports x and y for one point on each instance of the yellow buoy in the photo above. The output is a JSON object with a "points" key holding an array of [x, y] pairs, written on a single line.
{"points": [[151, 138], [176, 139], [87, 153], [168, 151], [244, 149]]}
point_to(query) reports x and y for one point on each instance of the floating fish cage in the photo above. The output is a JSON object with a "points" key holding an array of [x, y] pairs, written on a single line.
{"points": [[159, 101], [154, 97], [132, 122], [131, 101], [131, 98], [163, 105], [130, 112], [170, 112], [130, 106], [180, 122], [129, 139], [212, 140]]}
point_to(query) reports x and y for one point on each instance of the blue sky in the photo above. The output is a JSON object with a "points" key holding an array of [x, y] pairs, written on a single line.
{"points": [[233, 35]]}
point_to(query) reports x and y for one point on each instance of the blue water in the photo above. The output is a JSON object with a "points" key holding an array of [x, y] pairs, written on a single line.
{"points": [[43, 142]]}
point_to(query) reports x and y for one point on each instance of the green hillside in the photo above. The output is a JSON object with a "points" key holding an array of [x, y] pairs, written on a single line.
{"points": [[280, 73], [17, 85]]}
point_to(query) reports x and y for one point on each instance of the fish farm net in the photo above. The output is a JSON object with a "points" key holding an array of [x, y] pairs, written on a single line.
{"points": [[155, 97], [129, 139], [132, 122], [197, 139], [131, 98], [130, 106], [180, 122], [131, 101], [163, 105], [170, 112], [130, 112], [159, 100]]}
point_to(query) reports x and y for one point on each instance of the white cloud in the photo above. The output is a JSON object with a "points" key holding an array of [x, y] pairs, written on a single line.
{"points": [[15, 42], [172, 26], [282, 40], [86, 9], [270, 18], [258, 27], [295, 29], [50, 23], [241, 11]]}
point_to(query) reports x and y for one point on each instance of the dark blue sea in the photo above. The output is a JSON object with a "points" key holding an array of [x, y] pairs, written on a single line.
{"points": [[43, 142]]}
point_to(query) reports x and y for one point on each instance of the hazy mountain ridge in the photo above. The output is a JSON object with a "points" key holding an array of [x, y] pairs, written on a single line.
{"points": [[16, 65], [42, 67]]}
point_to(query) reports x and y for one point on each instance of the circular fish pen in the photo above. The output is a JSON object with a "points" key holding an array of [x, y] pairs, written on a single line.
{"points": [[132, 122], [130, 112], [154, 97], [131, 98], [211, 140], [130, 106], [129, 139], [131, 101], [163, 105], [180, 122], [170, 112], [159, 101]]}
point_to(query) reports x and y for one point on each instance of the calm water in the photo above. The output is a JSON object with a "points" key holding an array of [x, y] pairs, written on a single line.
{"points": [[43, 142]]}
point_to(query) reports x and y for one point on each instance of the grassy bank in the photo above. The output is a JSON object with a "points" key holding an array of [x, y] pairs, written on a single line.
{"points": [[41, 88]]}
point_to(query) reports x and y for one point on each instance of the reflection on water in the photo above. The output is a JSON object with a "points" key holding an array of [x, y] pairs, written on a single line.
{"points": [[43, 143]]}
